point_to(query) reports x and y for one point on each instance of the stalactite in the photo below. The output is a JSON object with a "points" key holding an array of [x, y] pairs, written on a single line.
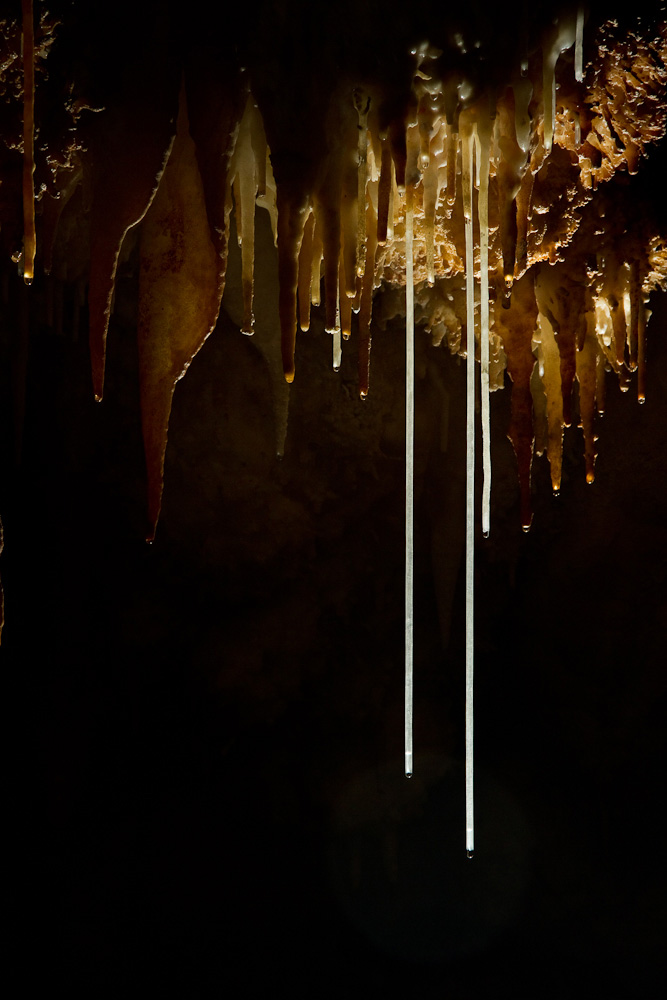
{"points": [[245, 192], [366, 304], [362, 105], [549, 370], [29, 239], [483, 131], [467, 146], [586, 361], [409, 473], [178, 297], [384, 191], [344, 304], [318, 249], [359, 176], [306, 264]]}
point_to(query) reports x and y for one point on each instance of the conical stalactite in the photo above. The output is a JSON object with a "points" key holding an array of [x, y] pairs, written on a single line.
{"points": [[179, 297], [516, 327]]}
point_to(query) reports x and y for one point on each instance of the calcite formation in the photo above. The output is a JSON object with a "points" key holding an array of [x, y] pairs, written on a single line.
{"points": [[347, 125]]}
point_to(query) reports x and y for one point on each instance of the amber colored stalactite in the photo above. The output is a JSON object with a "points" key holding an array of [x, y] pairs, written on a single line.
{"points": [[316, 263], [249, 152], [571, 327], [328, 142], [618, 321], [633, 339], [29, 238], [562, 300], [349, 215], [516, 326], [344, 302], [523, 200], [641, 353], [399, 152], [291, 221], [179, 297], [586, 361], [511, 164], [366, 303], [452, 146], [306, 273], [384, 190]]}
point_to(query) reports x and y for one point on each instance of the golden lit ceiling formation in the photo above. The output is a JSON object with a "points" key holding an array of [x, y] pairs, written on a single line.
{"points": [[485, 167]]}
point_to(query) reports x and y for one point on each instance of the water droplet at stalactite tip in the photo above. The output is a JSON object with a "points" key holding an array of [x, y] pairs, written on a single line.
{"points": [[485, 186]]}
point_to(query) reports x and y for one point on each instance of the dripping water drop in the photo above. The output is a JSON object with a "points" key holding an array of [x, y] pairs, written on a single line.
{"points": [[470, 855]]}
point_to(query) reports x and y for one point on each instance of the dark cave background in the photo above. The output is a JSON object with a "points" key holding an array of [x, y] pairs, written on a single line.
{"points": [[208, 730]]}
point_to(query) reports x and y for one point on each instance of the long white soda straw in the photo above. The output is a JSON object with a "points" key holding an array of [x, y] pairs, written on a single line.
{"points": [[409, 476], [467, 182]]}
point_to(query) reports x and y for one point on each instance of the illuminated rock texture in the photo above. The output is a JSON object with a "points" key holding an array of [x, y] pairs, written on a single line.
{"points": [[562, 107], [212, 734]]}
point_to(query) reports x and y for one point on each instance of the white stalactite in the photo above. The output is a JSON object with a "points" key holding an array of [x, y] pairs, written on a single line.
{"points": [[467, 145], [409, 475], [484, 133]]}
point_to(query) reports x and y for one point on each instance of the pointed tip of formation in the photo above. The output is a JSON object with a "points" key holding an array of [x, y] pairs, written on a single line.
{"points": [[470, 855], [289, 377]]}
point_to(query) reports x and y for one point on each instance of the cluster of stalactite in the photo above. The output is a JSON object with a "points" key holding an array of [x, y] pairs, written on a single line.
{"points": [[563, 260]]}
